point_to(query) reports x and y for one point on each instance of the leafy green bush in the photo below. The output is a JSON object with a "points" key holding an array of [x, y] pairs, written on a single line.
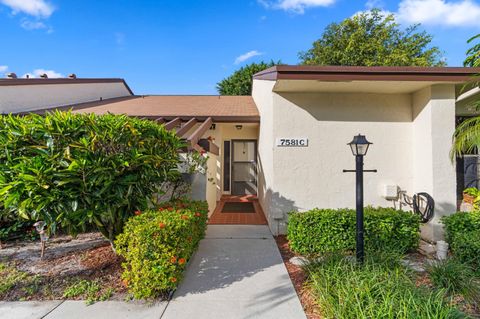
{"points": [[377, 289], [466, 247], [73, 170], [456, 277], [460, 223], [157, 244], [462, 232], [329, 230]]}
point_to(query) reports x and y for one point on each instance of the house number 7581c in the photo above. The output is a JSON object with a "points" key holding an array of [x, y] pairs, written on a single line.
{"points": [[292, 142]]}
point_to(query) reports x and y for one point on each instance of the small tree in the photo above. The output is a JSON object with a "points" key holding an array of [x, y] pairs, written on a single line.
{"points": [[372, 39], [240, 82], [75, 170]]}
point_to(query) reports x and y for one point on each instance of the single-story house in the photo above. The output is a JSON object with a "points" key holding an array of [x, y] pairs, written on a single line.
{"points": [[287, 143]]}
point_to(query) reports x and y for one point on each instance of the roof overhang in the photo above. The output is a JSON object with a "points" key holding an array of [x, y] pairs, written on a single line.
{"points": [[37, 81], [363, 79]]}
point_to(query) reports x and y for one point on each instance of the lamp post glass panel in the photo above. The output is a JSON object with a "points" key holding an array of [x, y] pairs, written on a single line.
{"points": [[359, 146]]}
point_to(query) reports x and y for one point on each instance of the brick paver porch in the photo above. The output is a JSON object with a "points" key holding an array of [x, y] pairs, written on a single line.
{"points": [[238, 218]]}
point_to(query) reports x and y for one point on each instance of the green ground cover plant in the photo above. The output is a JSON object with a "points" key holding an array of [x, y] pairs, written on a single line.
{"points": [[12, 278], [158, 243], [75, 170], [456, 277], [90, 290], [462, 232], [321, 231], [381, 288]]}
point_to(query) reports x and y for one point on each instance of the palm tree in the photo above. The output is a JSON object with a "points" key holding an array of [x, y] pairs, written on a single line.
{"points": [[466, 138]]}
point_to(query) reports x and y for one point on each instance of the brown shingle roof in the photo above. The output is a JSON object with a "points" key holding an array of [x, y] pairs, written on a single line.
{"points": [[220, 108]]}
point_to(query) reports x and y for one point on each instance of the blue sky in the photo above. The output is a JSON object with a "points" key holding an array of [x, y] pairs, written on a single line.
{"points": [[186, 47]]}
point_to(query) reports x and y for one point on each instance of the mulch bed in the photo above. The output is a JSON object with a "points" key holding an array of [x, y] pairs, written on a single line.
{"points": [[67, 260], [298, 277]]}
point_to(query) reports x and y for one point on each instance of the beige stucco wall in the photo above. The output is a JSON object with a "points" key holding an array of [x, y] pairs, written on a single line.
{"points": [[406, 151], [262, 94], [21, 98], [434, 173]]}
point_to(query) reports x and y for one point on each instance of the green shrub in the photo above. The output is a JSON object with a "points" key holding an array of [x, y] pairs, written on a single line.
{"points": [[456, 277], [460, 223], [376, 289], [462, 232], [329, 230], [157, 244], [466, 247], [73, 170]]}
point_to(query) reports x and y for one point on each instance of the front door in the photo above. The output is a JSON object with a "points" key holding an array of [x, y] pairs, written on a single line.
{"points": [[244, 167]]}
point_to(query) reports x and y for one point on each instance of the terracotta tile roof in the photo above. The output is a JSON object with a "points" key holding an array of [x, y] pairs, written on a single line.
{"points": [[220, 108]]}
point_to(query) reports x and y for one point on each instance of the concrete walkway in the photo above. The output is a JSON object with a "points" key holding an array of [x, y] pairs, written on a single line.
{"points": [[237, 273]]}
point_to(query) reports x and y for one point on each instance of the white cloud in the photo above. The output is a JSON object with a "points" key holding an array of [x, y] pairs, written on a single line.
{"points": [[50, 73], [33, 25], [440, 12], [374, 4], [36, 8], [297, 6], [246, 56], [3, 68]]}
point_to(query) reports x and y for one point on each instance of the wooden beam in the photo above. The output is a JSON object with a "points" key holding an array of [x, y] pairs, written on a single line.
{"points": [[160, 120], [186, 127], [173, 123], [209, 146], [214, 149], [195, 136]]}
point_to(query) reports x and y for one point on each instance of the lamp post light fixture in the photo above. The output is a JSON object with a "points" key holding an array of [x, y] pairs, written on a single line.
{"points": [[359, 146]]}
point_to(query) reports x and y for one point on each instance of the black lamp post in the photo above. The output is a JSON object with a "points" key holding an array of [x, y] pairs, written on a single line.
{"points": [[359, 146]]}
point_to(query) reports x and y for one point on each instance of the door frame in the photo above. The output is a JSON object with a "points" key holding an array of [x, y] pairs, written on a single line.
{"points": [[232, 162]]}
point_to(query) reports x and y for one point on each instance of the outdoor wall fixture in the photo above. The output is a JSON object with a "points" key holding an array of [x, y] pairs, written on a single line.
{"points": [[238, 127], [359, 146]]}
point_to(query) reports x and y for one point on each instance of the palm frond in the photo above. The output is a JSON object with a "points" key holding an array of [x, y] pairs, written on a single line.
{"points": [[466, 138]]}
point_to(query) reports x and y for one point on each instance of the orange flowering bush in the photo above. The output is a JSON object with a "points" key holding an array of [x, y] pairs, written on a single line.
{"points": [[157, 245]]}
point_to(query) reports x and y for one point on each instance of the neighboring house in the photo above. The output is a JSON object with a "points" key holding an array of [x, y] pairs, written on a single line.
{"points": [[407, 112], [21, 95]]}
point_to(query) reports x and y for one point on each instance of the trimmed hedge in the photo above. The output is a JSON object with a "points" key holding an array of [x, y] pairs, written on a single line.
{"points": [[332, 230], [462, 232], [157, 245]]}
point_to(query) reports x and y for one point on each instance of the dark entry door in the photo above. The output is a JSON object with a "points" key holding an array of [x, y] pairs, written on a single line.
{"points": [[244, 167]]}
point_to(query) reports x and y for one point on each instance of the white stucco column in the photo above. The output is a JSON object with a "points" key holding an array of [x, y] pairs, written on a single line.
{"points": [[434, 173]]}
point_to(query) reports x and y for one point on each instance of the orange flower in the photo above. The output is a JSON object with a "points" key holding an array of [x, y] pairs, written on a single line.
{"points": [[161, 225], [170, 208], [138, 213], [160, 209], [173, 279], [198, 214], [189, 238], [173, 259], [125, 282], [181, 261], [184, 217]]}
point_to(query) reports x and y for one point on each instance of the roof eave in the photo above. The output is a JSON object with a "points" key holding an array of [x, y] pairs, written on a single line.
{"points": [[348, 73]]}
